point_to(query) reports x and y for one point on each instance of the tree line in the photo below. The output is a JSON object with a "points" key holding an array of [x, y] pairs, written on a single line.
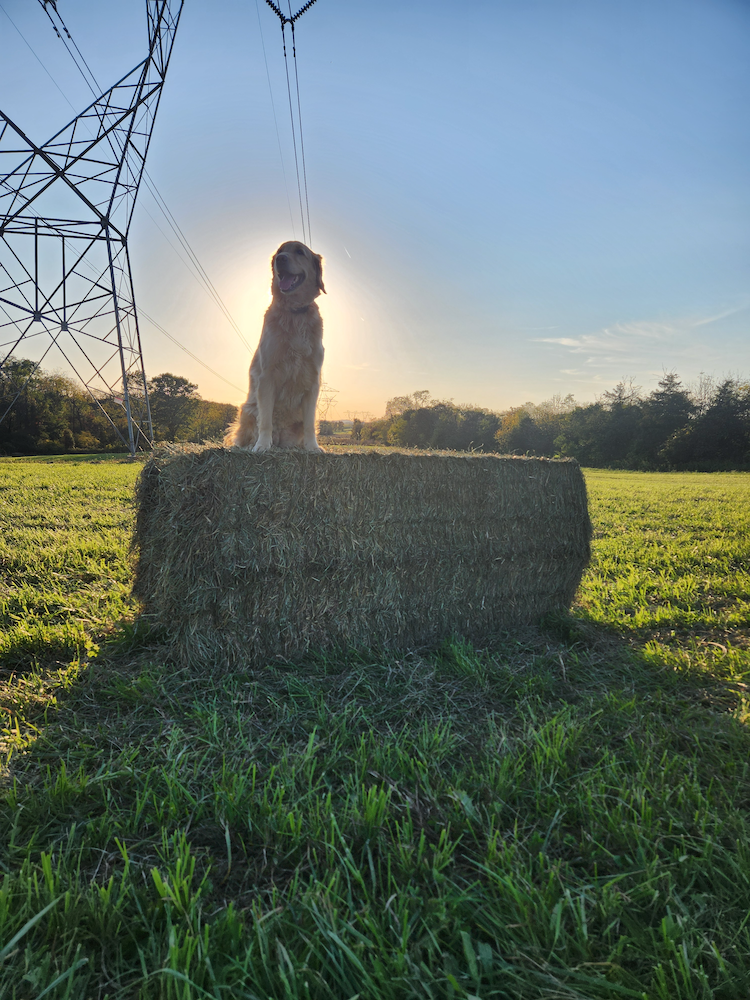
{"points": [[704, 428], [49, 413]]}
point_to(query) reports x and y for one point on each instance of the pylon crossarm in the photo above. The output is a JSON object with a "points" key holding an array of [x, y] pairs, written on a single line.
{"points": [[68, 228], [101, 108], [59, 173], [86, 111], [53, 150]]}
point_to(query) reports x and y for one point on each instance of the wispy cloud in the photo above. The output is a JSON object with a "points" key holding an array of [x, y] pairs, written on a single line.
{"points": [[722, 315], [642, 347], [618, 338], [642, 339]]}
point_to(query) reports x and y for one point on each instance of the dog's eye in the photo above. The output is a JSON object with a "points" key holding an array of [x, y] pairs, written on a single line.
{"points": [[300, 251]]}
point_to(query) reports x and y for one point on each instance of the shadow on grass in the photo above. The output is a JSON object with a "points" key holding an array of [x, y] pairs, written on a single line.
{"points": [[557, 814]]}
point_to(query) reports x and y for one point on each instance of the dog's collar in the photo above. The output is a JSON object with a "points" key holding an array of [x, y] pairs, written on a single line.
{"points": [[303, 309]]}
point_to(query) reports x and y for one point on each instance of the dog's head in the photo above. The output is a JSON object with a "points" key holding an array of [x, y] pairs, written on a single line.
{"points": [[297, 274]]}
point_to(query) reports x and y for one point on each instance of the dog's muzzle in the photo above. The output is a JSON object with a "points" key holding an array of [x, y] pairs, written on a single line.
{"points": [[287, 280]]}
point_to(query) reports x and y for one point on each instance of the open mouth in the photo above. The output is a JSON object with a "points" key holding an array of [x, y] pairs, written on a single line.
{"points": [[288, 282]]}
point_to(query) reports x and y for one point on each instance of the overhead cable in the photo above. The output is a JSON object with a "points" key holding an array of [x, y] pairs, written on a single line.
{"points": [[301, 181], [275, 120]]}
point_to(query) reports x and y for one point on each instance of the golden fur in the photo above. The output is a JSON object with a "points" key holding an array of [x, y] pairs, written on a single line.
{"points": [[285, 370]]}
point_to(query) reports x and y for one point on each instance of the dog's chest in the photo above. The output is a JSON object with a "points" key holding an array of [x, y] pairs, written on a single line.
{"points": [[292, 348], [298, 359]]}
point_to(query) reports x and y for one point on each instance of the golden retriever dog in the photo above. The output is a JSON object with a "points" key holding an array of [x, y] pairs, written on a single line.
{"points": [[285, 370]]}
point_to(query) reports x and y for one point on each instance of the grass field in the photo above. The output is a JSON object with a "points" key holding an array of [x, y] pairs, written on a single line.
{"points": [[565, 815]]}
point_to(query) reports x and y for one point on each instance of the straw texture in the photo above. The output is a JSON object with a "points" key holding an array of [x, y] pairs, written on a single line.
{"points": [[244, 558]]}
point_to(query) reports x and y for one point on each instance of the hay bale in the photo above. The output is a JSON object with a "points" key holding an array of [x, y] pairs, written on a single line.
{"points": [[244, 558]]}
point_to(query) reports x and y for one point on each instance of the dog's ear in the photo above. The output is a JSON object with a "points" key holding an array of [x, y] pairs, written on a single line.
{"points": [[318, 262]]}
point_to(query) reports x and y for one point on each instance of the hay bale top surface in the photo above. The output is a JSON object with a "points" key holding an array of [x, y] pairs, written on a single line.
{"points": [[362, 458], [288, 489], [165, 452]]}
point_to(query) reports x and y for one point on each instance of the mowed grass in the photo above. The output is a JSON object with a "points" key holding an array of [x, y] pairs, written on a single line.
{"points": [[671, 568], [63, 555], [562, 815]]}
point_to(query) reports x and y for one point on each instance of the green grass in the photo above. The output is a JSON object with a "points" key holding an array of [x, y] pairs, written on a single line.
{"points": [[671, 570], [563, 815], [63, 556]]}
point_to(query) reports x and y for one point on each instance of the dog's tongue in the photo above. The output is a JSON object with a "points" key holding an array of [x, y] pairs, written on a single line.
{"points": [[286, 282]]}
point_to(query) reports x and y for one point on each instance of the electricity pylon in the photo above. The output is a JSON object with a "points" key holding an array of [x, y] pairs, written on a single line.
{"points": [[65, 214]]}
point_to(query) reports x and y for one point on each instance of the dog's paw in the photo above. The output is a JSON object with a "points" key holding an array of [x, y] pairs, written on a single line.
{"points": [[314, 447], [263, 444]]}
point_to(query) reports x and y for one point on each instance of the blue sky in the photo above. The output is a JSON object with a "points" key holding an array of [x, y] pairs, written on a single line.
{"points": [[514, 199]]}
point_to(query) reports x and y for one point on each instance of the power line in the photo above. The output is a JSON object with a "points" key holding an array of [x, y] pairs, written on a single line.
{"points": [[23, 39], [290, 21], [275, 121], [182, 347], [53, 5], [305, 239], [301, 138], [202, 275]]}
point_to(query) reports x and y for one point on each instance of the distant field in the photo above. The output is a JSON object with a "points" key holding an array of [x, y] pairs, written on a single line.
{"points": [[563, 815], [73, 459]]}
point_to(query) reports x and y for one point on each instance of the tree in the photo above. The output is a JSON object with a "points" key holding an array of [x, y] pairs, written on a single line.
{"points": [[666, 410], [208, 421], [18, 384], [554, 406], [519, 434], [476, 429], [702, 392], [45, 410], [718, 438], [174, 401], [399, 404], [625, 393], [52, 413], [425, 427], [601, 436], [550, 416]]}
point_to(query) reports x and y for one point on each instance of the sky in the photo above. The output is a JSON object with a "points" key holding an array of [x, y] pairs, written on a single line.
{"points": [[514, 198]]}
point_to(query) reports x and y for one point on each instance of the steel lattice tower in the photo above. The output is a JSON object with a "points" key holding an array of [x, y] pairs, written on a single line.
{"points": [[65, 214]]}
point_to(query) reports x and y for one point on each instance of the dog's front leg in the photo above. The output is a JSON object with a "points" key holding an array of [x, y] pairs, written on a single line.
{"points": [[266, 399], [309, 402]]}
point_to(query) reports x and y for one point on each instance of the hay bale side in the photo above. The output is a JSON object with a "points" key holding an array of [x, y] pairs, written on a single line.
{"points": [[244, 558]]}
